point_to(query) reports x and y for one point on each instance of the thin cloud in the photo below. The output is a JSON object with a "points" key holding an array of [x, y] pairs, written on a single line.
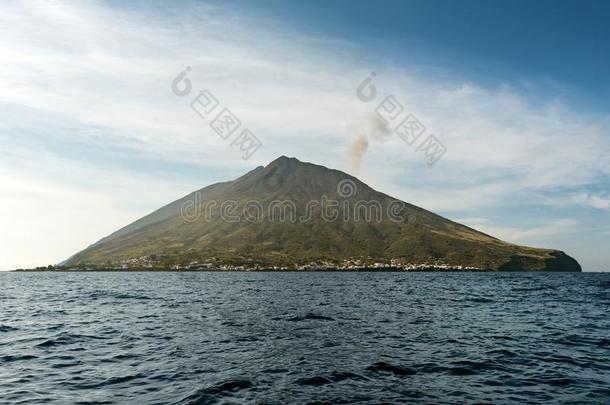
{"points": [[601, 202], [524, 235]]}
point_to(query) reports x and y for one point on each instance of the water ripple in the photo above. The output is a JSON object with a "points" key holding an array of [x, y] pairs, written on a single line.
{"points": [[299, 338]]}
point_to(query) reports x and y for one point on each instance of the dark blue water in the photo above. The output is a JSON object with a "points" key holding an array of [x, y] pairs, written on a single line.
{"points": [[197, 338]]}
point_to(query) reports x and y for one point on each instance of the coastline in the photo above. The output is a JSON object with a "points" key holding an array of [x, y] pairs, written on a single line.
{"points": [[287, 270]]}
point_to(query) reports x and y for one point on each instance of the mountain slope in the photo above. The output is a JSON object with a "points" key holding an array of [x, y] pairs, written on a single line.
{"points": [[293, 212]]}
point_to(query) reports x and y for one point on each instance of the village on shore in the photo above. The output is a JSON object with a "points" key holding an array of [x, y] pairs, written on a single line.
{"points": [[151, 263]]}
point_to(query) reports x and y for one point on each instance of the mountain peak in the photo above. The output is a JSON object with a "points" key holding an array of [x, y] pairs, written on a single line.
{"points": [[283, 161]]}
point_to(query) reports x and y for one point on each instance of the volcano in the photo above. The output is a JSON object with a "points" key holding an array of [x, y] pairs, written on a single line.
{"points": [[291, 213]]}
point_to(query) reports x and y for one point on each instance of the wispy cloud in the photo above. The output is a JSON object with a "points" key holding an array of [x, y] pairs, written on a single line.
{"points": [[601, 202], [523, 235]]}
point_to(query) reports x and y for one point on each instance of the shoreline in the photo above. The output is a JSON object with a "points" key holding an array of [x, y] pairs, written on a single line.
{"points": [[335, 270]]}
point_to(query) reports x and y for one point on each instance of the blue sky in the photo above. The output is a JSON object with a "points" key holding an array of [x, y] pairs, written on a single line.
{"points": [[92, 138], [561, 42]]}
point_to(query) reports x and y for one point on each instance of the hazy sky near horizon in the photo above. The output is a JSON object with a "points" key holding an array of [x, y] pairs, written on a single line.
{"points": [[92, 137]]}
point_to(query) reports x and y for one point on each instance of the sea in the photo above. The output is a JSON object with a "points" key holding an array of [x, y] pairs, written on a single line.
{"points": [[304, 338]]}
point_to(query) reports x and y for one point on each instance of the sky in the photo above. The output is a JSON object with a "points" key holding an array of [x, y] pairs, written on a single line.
{"points": [[92, 137]]}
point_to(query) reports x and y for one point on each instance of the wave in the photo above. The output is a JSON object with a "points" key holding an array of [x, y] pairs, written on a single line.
{"points": [[65, 338], [333, 377], [212, 394], [391, 368], [310, 316], [116, 295], [19, 357]]}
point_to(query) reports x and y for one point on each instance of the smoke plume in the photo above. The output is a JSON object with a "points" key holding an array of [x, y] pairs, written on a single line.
{"points": [[372, 128], [356, 151]]}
